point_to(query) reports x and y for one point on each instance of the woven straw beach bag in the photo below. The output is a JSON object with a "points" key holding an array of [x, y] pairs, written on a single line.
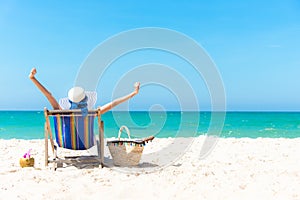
{"points": [[126, 152]]}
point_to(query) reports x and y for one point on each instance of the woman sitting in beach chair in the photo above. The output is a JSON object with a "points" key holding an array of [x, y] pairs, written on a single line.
{"points": [[76, 132]]}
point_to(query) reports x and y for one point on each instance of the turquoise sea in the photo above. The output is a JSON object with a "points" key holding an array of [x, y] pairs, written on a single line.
{"points": [[30, 124]]}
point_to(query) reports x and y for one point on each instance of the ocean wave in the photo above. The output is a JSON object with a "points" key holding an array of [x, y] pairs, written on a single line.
{"points": [[269, 129]]}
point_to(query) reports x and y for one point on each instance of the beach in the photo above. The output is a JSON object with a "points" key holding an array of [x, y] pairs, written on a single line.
{"points": [[243, 168]]}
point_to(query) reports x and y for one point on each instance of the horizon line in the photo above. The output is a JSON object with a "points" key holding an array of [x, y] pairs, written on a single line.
{"points": [[36, 110]]}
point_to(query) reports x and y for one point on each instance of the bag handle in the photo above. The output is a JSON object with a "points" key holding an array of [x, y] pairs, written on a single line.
{"points": [[147, 139], [127, 131]]}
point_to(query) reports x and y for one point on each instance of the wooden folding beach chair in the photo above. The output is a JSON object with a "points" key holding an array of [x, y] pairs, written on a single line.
{"points": [[76, 132]]}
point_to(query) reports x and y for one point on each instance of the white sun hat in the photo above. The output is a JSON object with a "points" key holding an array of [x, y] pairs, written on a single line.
{"points": [[76, 94]]}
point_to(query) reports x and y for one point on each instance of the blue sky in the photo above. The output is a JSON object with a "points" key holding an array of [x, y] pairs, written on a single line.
{"points": [[254, 44]]}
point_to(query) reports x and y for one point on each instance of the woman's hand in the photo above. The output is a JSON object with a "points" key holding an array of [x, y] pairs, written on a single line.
{"points": [[136, 88], [32, 73]]}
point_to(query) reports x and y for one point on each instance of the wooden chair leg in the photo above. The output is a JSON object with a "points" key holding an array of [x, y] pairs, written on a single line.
{"points": [[101, 138], [46, 145]]}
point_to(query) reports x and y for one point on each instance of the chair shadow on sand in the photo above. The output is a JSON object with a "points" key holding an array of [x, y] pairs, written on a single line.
{"points": [[85, 162]]}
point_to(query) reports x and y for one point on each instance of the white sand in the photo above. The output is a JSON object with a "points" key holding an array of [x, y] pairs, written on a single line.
{"points": [[236, 169]]}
